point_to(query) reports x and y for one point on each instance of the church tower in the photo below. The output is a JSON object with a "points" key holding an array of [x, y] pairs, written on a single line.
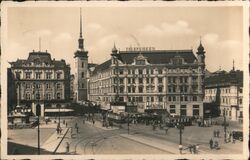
{"points": [[81, 68]]}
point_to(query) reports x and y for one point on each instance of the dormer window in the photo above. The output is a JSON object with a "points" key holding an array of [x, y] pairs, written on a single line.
{"points": [[140, 62], [177, 60]]}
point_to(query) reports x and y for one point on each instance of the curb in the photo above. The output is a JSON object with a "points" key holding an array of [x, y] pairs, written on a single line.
{"points": [[60, 141]]}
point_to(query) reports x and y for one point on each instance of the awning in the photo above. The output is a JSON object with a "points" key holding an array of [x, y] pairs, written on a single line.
{"points": [[57, 110]]}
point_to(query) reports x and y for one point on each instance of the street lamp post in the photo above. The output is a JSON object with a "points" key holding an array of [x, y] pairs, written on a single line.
{"points": [[128, 123], [225, 125], [180, 129], [38, 113]]}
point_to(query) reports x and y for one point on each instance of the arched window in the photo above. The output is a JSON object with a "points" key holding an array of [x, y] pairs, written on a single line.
{"points": [[58, 96]]}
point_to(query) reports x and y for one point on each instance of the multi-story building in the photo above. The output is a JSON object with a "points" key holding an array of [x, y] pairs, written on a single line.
{"points": [[40, 82], [226, 90], [149, 78]]}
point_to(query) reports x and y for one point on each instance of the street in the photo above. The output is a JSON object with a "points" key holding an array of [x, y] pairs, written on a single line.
{"points": [[93, 139]]}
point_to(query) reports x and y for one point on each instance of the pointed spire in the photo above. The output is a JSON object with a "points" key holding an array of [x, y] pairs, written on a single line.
{"points": [[80, 22], [80, 40], [114, 50], [233, 66]]}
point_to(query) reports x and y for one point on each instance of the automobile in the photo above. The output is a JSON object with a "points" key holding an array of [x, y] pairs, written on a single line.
{"points": [[237, 135]]}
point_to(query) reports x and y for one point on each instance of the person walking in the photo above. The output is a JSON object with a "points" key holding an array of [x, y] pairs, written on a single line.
{"points": [[215, 133], [67, 147], [211, 143]]}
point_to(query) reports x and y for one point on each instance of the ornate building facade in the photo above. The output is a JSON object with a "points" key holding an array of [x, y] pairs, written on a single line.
{"points": [[40, 81], [151, 79], [225, 89]]}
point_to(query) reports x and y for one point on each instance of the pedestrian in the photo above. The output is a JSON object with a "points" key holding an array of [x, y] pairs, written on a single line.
{"points": [[190, 149], [67, 147], [93, 122], [77, 130], [196, 149], [66, 124], [75, 125], [60, 130], [229, 136], [211, 143], [216, 145], [166, 131], [57, 130]]}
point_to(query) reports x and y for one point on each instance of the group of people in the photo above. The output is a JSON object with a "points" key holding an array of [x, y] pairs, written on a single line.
{"points": [[193, 149], [216, 133], [214, 144]]}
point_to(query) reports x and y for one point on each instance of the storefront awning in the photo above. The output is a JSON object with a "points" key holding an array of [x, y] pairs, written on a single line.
{"points": [[57, 110]]}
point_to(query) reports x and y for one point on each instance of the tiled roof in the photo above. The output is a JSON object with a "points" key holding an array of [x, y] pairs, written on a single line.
{"points": [[153, 57], [39, 57], [157, 56], [105, 65], [224, 78]]}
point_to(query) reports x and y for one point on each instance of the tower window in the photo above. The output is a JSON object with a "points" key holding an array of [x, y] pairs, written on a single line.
{"points": [[82, 74], [82, 85], [83, 65]]}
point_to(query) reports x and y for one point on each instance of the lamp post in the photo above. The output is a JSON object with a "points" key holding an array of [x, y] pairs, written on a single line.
{"points": [[225, 125], [128, 123], [180, 128]]}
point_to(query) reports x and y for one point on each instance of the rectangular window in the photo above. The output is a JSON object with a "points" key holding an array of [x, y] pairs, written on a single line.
{"points": [[172, 109], [160, 71], [169, 98], [48, 75], [140, 71], [58, 75], [140, 80], [160, 89], [152, 99], [48, 86], [160, 99], [28, 75], [121, 71], [28, 86], [58, 85], [81, 76], [140, 89], [38, 75], [140, 99], [82, 64], [159, 80], [183, 110]]}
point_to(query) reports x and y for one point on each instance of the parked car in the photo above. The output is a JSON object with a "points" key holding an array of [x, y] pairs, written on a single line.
{"points": [[237, 135]]}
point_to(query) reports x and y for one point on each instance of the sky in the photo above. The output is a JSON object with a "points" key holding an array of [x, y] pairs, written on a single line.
{"points": [[165, 28]]}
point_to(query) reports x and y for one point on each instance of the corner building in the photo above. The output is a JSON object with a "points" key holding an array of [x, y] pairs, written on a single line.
{"points": [[151, 79], [40, 81], [226, 90]]}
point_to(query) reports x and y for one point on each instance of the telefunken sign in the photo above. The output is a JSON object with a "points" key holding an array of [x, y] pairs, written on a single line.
{"points": [[140, 48]]}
